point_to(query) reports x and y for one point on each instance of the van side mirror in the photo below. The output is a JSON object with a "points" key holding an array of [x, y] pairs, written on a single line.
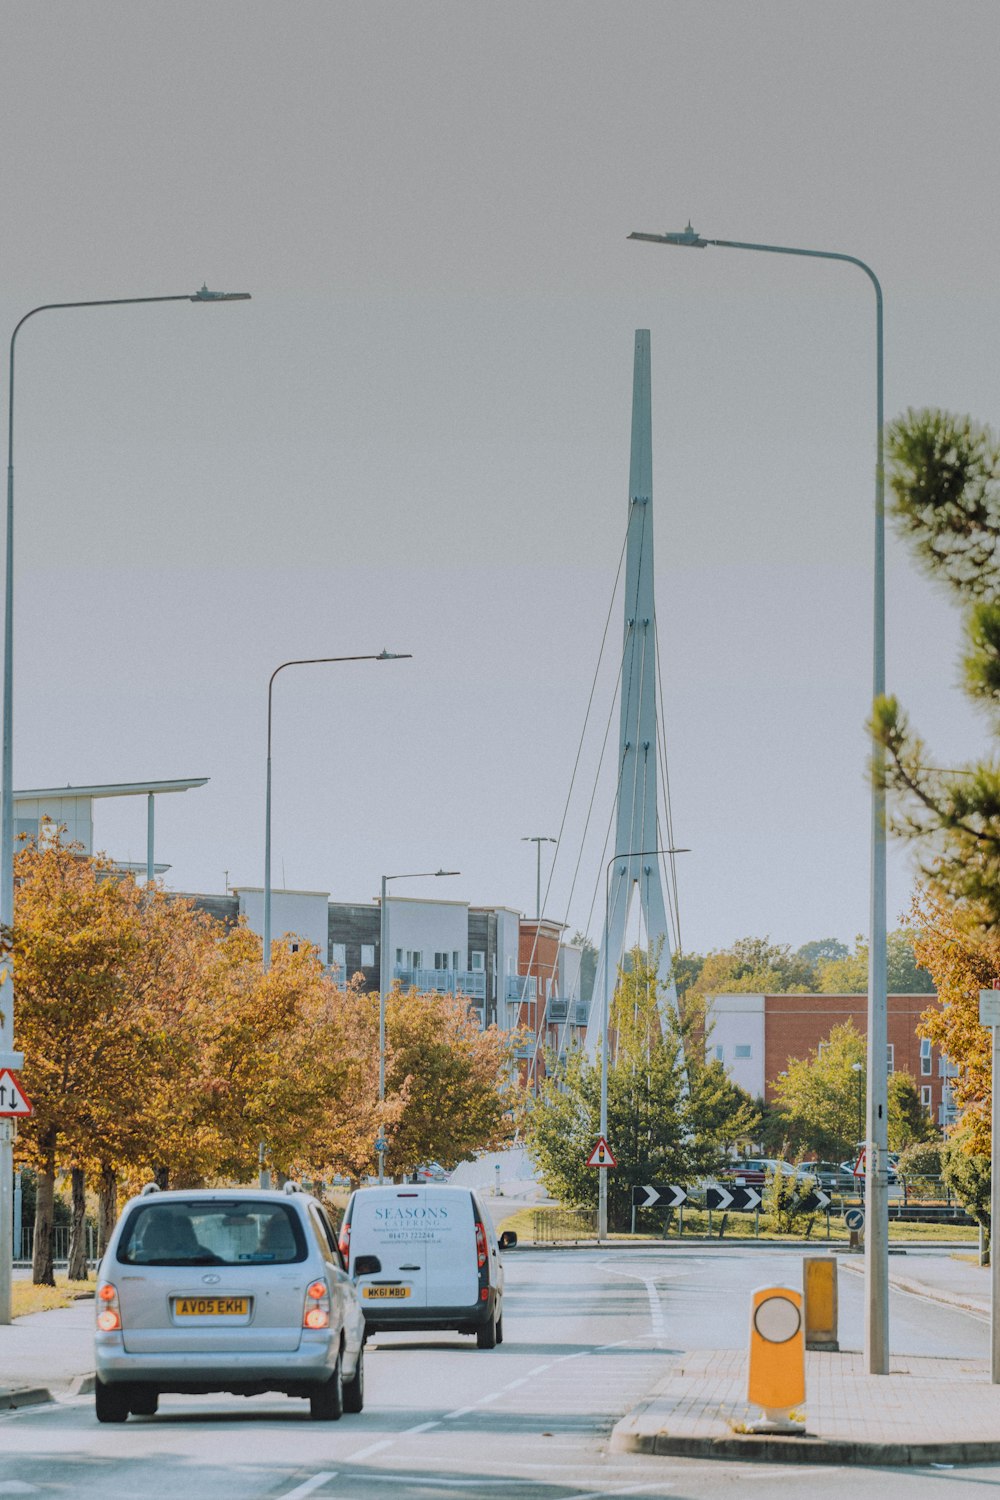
{"points": [[508, 1240], [367, 1265]]}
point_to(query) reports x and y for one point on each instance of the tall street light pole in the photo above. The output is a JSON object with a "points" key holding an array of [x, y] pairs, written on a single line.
{"points": [[383, 972], [876, 1163], [305, 661], [8, 1057], [602, 1181], [538, 839]]}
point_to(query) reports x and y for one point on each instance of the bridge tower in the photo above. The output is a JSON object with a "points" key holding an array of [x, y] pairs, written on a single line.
{"points": [[636, 824]]}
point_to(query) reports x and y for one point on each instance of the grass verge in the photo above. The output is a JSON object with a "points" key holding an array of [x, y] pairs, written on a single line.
{"points": [[740, 1226], [28, 1298]]}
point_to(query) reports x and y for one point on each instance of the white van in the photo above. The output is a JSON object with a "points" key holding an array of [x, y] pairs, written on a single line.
{"points": [[438, 1260]]}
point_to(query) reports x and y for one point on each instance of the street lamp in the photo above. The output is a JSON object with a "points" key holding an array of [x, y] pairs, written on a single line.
{"points": [[602, 1181], [538, 839], [8, 1057], [859, 1069], [383, 936], [306, 661], [876, 1177]]}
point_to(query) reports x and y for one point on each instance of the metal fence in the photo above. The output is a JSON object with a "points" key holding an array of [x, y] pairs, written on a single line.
{"points": [[551, 1226], [60, 1243]]}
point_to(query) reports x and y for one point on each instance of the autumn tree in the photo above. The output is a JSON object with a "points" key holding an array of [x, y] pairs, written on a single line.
{"points": [[671, 1117], [848, 975]]}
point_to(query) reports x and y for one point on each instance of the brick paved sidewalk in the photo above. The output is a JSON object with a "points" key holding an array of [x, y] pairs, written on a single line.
{"points": [[927, 1410]]}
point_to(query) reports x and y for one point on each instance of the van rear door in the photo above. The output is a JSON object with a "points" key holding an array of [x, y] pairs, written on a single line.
{"points": [[450, 1248], [388, 1222]]}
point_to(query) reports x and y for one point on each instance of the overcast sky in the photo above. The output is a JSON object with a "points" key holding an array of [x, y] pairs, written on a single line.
{"points": [[416, 434]]}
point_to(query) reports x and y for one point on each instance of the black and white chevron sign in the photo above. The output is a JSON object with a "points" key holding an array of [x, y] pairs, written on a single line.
{"points": [[658, 1195]]}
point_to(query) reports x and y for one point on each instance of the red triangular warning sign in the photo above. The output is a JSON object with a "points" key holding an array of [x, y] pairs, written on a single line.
{"points": [[859, 1165], [601, 1155], [14, 1102]]}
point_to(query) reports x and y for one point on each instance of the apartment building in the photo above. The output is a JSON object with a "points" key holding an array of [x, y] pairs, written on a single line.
{"points": [[756, 1036]]}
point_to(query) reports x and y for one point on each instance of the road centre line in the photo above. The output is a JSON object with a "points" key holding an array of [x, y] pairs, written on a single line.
{"points": [[360, 1453], [422, 1427], [462, 1411], [308, 1485]]}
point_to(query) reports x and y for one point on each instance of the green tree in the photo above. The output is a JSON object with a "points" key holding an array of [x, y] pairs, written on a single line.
{"points": [[910, 1122], [945, 478], [849, 975], [666, 1123], [822, 1096], [588, 964], [821, 950], [755, 966]]}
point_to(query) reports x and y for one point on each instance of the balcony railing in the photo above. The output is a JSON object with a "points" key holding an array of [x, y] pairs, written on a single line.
{"points": [[581, 1012], [557, 1008], [521, 987], [471, 982]]}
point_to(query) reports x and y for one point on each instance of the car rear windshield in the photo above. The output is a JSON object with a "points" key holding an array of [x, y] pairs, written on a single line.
{"points": [[212, 1234]]}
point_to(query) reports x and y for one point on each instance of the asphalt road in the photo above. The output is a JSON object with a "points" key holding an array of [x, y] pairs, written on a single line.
{"points": [[587, 1334]]}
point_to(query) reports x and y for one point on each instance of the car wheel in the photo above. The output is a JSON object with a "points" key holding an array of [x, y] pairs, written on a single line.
{"points": [[326, 1401], [486, 1337], [354, 1389], [144, 1401], [111, 1402], [500, 1329]]}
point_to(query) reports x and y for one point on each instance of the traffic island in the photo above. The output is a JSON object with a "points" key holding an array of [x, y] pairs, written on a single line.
{"points": [[926, 1411]]}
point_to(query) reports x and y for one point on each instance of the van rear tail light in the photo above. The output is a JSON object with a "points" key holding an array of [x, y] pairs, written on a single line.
{"points": [[345, 1239], [316, 1313], [109, 1313], [481, 1251]]}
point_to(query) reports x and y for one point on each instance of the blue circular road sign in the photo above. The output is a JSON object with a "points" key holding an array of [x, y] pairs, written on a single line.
{"points": [[854, 1218]]}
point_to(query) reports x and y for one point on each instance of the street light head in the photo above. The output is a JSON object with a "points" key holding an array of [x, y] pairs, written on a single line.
{"points": [[688, 236], [394, 656], [447, 872], [204, 295]]}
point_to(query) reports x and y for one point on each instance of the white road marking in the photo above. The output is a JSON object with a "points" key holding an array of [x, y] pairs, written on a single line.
{"points": [[536, 1371], [360, 1453], [308, 1485], [628, 1489], [423, 1427], [657, 1328], [462, 1411]]}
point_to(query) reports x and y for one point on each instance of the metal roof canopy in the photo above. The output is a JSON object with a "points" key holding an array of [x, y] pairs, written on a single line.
{"points": [[113, 789]]}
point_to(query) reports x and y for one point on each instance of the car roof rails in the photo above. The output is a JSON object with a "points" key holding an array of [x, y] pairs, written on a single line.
{"points": [[150, 1187]]}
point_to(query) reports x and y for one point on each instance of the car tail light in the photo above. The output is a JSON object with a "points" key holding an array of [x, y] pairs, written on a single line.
{"points": [[345, 1239], [481, 1251], [109, 1315], [316, 1313]]}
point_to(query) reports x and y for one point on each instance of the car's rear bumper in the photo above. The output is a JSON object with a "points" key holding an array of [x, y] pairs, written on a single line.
{"points": [[242, 1373], [394, 1318]]}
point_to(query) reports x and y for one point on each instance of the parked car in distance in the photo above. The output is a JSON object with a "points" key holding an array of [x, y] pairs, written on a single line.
{"points": [[238, 1290], [425, 1256], [830, 1174], [431, 1172]]}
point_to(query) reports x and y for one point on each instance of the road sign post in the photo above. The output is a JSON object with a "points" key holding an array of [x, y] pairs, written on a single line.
{"points": [[14, 1105], [989, 1015]]}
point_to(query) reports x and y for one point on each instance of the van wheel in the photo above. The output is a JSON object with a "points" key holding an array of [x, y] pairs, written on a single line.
{"points": [[500, 1329], [486, 1337], [144, 1401], [326, 1401], [111, 1402], [354, 1389]]}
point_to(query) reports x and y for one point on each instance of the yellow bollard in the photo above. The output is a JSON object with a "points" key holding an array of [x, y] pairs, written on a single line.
{"points": [[819, 1288], [777, 1366]]}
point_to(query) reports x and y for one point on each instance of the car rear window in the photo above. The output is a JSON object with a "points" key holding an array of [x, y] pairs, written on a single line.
{"points": [[212, 1234]]}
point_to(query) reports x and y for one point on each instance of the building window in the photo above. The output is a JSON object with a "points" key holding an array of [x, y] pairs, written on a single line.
{"points": [[925, 1095], [367, 955], [416, 959], [399, 957], [720, 1054], [454, 958], [925, 1057], [478, 960], [338, 955], [890, 1057], [440, 960], [742, 1050]]}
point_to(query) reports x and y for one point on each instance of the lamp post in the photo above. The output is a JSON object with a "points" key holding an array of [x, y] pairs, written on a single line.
{"points": [[877, 1143], [538, 839], [602, 1181], [306, 661], [858, 1069], [383, 926], [8, 1057]]}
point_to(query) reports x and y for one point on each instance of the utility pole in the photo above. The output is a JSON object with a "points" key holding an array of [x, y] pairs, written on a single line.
{"points": [[538, 839]]}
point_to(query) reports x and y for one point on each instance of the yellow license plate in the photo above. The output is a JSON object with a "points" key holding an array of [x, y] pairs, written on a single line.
{"points": [[372, 1292], [211, 1307]]}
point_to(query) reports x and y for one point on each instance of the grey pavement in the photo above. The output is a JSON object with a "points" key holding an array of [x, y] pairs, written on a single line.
{"points": [[47, 1350]]}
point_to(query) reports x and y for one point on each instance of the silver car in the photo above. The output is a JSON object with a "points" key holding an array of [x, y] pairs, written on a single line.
{"points": [[238, 1290]]}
